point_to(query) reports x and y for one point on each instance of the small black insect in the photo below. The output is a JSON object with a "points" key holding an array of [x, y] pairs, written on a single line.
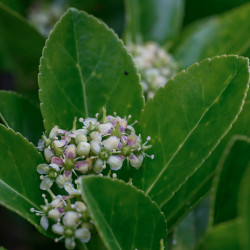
{"points": [[126, 72]]}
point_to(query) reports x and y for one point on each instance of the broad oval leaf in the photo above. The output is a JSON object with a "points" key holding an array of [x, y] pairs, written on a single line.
{"points": [[229, 175], [153, 20], [19, 182], [187, 119], [124, 217], [85, 67], [200, 184], [225, 34], [24, 53], [21, 115]]}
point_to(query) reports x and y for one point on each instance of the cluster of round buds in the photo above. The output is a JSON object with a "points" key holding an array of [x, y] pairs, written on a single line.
{"points": [[90, 149], [155, 66], [99, 146], [70, 220]]}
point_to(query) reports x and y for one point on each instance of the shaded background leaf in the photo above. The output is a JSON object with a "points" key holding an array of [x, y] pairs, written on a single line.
{"points": [[153, 20], [22, 115], [225, 34]]}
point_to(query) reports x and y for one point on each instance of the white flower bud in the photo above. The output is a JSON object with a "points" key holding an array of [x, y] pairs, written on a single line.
{"points": [[46, 183], [95, 147], [98, 166], [53, 132], [111, 143], [44, 222], [70, 243], [105, 128], [80, 206], [80, 138], [134, 141], [61, 180], [82, 131], [83, 234], [136, 162], [87, 122], [58, 229], [83, 148], [82, 166], [57, 202], [96, 136], [115, 161], [70, 189], [70, 219], [48, 154], [43, 168], [54, 167], [54, 214], [59, 143]]}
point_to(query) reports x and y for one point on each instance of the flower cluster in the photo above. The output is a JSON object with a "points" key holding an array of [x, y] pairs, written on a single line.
{"points": [[155, 66], [97, 147]]}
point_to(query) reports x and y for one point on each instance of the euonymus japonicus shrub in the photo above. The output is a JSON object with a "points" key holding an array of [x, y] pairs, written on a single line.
{"points": [[108, 166]]}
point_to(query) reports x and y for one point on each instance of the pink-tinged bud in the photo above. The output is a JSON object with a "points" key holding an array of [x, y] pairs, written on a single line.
{"points": [[48, 154], [134, 141], [83, 148], [98, 166], [70, 151], [62, 179], [115, 161], [57, 160], [105, 128], [111, 143], [95, 147], [44, 222], [82, 166], [136, 162]]}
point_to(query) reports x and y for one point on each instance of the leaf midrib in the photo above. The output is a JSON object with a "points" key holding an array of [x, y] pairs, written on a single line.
{"points": [[188, 135]]}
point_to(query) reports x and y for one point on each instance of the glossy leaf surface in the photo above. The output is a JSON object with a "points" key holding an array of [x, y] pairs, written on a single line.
{"points": [[124, 217], [83, 69], [19, 183], [187, 119]]}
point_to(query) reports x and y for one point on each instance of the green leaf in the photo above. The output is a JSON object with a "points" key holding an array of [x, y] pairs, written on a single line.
{"points": [[24, 46], [19, 183], [124, 217], [83, 69], [17, 5], [196, 9], [21, 115], [200, 184], [230, 172], [153, 20], [187, 119], [223, 236], [244, 208], [225, 34]]}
